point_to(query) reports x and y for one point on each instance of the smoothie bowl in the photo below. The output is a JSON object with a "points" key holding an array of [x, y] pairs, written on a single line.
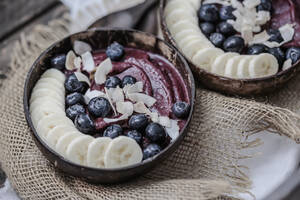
{"points": [[108, 105], [247, 47]]}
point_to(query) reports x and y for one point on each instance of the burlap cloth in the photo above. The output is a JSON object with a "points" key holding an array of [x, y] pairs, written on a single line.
{"points": [[206, 165]]}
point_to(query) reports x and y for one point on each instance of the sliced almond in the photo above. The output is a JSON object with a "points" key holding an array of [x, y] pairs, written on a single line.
{"points": [[88, 61], [82, 78], [116, 94], [140, 107], [102, 71], [77, 62], [81, 47], [69, 65], [134, 88], [125, 108]]}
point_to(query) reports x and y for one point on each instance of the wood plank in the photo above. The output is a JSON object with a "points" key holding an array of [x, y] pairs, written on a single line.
{"points": [[14, 13]]}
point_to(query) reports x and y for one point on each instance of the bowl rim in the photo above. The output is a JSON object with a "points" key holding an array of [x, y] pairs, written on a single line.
{"points": [[249, 80], [177, 141]]}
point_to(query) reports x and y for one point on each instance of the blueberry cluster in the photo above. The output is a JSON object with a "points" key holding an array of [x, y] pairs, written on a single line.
{"points": [[213, 23]]}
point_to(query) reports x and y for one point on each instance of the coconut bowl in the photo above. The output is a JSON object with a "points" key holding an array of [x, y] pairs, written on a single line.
{"points": [[242, 87], [99, 39]]}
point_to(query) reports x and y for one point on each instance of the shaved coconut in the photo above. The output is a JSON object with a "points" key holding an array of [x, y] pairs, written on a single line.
{"points": [[123, 117], [70, 60], [154, 117], [116, 94], [102, 70], [262, 17], [251, 3], [81, 47], [173, 130], [247, 34], [164, 121], [287, 32], [89, 95], [134, 88], [110, 101], [141, 108], [260, 38], [256, 29], [77, 63], [139, 97], [88, 61], [287, 64], [82, 78], [125, 108], [221, 2]]}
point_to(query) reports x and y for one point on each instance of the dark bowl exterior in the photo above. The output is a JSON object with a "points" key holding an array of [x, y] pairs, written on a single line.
{"points": [[100, 38], [242, 87]]}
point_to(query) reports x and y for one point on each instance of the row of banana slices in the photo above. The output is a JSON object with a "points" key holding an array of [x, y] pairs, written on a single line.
{"points": [[182, 21], [47, 110]]}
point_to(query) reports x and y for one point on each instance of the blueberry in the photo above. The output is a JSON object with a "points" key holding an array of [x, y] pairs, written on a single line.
{"points": [[74, 98], [113, 82], [208, 13], [115, 51], [99, 107], [84, 124], [234, 44], [134, 134], [138, 122], [279, 55], [128, 80], [217, 39], [275, 35], [113, 131], [257, 49], [150, 151], [293, 53], [181, 109], [73, 85], [58, 62], [265, 5], [155, 132], [75, 110], [225, 28], [226, 13], [207, 28]]}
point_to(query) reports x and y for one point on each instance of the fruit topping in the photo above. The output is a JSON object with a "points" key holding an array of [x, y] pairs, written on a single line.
{"points": [[85, 124], [208, 13], [99, 107], [217, 39], [226, 13], [181, 109], [74, 98], [115, 51], [151, 150], [234, 44], [113, 82], [225, 28], [138, 122], [265, 5], [89, 95], [73, 85], [134, 134], [81, 47], [113, 131], [58, 62], [275, 35], [257, 49], [293, 53], [75, 110], [128, 80], [207, 28], [279, 54], [155, 132]]}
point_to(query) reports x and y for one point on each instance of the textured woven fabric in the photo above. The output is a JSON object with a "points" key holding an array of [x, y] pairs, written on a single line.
{"points": [[205, 166]]}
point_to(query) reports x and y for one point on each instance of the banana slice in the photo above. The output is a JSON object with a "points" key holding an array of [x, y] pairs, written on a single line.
{"points": [[64, 141], [263, 65], [43, 85], [96, 152], [121, 152], [41, 93], [53, 82], [205, 57], [39, 101], [192, 37], [192, 47], [54, 73], [77, 149], [218, 66], [231, 66], [243, 67], [179, 15], [183, 25], [59, 131], [175, 4], [49, 122]]}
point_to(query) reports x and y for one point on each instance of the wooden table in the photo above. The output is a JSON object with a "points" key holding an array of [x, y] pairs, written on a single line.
{"points": [[21, 15]]}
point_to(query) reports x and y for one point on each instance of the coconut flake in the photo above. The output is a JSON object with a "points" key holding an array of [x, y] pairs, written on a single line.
{"points": [[125, 108], [88, 62], [221, 2], [110, 101], [139, 97], [134, 88], [251, 3], [103, 69], [260, 38], [116, 94], [247, 33], [81, 47], [287, 64], [82, 78], [262, 17], [70, 59], [287, 32], [154, 117], [140, 107], [89, 95], [173, 130], [77, 62], [123, 117], [164, 121]]}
